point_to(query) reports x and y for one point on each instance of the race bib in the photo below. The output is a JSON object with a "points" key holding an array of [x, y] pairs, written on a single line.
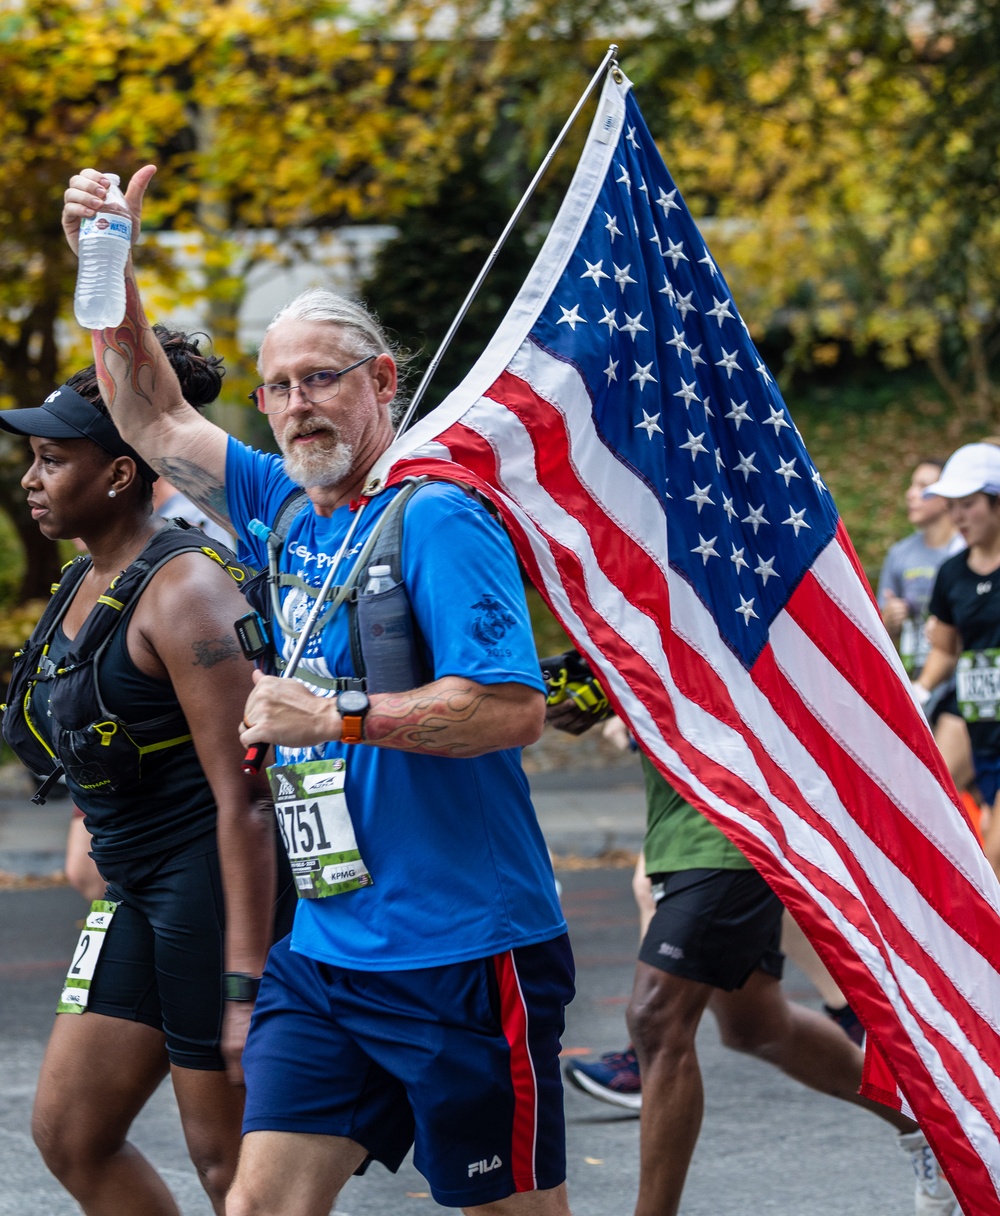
{"points": [[316, 828], [977, 685], [76, 989], [914, 646]]}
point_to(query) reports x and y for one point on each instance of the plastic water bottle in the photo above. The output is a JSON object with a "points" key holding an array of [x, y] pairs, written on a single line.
{"points": [[389, 646], [105, 241], [379, 579]]}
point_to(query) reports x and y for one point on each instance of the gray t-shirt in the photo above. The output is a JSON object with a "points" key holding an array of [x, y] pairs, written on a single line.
{"points": [[908, 571], [180, 507]]}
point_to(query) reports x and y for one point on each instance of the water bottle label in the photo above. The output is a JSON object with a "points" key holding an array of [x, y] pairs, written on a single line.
{"points": [[102, 225]]}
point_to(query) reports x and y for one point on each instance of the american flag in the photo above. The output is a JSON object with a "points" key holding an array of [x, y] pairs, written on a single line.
{"points": [[664, 504]]}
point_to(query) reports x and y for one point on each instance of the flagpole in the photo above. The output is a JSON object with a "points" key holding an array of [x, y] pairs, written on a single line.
{"points": [[609, 59]]}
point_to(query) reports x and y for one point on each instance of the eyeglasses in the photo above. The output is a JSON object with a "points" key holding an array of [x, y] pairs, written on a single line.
{"points": [[315, 388]]}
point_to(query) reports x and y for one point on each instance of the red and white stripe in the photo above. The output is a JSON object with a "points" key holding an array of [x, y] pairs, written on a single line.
{"points": [[514, 1022], [816, 762]]}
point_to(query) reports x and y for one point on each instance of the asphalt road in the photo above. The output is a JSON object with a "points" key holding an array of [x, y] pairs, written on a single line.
{"points": [[767, 1144]]}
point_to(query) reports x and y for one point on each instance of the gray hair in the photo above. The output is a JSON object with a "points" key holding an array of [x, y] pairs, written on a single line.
{"points": [[369, 338]]}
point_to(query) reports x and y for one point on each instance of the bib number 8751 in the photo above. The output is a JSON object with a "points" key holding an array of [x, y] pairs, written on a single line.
{"points": [[302, 829]]}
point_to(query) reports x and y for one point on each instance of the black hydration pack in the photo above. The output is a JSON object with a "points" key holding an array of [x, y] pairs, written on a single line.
{"points": [[96, 749]]}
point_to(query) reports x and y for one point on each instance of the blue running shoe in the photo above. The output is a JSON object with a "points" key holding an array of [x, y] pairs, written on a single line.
{"points": [[613, 1078]]}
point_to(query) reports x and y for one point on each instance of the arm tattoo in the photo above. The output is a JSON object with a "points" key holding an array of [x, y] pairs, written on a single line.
{"points": [[428, 723], [194, 481], [133, 343], [209, 651]]}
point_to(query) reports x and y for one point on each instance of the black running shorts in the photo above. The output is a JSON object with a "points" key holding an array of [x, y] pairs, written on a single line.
{"points": [[714, 926]]}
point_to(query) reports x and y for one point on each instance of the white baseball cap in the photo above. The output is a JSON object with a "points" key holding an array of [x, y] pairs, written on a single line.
{"points": [[974, 467]]}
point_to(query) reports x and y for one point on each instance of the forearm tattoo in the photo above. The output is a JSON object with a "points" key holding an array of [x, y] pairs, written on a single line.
{"points": [[209, 651], [441, 723], [199, 485], [134, 343]]}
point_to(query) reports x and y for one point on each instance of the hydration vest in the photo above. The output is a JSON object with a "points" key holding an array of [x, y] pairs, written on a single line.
{"points": [[387, 651], [95, 748]]}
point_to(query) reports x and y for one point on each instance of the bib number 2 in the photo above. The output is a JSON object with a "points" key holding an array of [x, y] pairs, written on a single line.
{"points": [[76, 987], [316, 828]]}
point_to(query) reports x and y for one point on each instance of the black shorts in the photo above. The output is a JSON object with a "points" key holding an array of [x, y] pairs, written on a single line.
{"points": [[162, 959], [714, 926]]}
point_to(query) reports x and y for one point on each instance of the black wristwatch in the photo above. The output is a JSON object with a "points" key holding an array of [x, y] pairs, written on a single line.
{"points": [[238, 986], [352, 705]]}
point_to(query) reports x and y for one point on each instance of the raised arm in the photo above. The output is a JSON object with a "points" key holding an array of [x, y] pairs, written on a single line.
{"points": [[136, 378]]}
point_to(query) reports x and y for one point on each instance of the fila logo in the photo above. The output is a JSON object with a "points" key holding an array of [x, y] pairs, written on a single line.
{"points": [[984, 588], [285, 787], [484, 1166]]}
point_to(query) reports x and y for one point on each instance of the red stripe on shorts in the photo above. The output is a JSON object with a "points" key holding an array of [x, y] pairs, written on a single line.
{"points": [[514, 1021]]}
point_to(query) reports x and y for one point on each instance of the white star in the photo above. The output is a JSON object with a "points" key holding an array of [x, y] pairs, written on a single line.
{"points": [[727, 505], [594, 272], [609, 371], [687, 392], [728, 361], [635, 225], [694, 445], [666, 482], [684, 305], [678, 340], [650, 424], [707, 261], [720, 311], [746, 610], [668, 290], [746, 466], [762, 370], [622, 276], [720, 464], [571, 317], [609, 319], [796, 520], [787, 469], [633, 326], [818, 481], [632, 139], [709, 413], [777, 419], [642, 374], [624, 178], [612, 226], [655, 238], [676, 252], [701, 497], [706, 548], [739, 413], [644, 188], [666, 201], [766, 569], [756, 518], [696, 356], [738, 560]]}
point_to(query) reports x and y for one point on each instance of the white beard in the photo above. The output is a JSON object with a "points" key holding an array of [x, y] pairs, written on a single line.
{"points": [[318, 464]]}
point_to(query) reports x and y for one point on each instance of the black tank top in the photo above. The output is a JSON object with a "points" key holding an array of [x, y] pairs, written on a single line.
{"points": [[173, 802]]}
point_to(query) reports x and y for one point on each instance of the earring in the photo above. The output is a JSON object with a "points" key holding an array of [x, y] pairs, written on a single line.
{"points": [[112, 493]]}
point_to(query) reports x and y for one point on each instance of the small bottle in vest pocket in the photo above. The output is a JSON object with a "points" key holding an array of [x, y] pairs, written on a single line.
{"points": [[386, 631]]}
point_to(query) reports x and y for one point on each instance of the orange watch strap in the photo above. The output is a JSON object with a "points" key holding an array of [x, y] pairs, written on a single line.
{"points": [[351, 728]]}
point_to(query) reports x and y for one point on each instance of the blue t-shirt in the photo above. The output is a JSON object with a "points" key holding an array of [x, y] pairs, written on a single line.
{"points": [[459, 866]]}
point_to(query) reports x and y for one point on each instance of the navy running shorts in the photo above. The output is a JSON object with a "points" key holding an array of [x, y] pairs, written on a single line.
{"points": [[461, 1061], [162, 959], [987, 766], [714, 926]]}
